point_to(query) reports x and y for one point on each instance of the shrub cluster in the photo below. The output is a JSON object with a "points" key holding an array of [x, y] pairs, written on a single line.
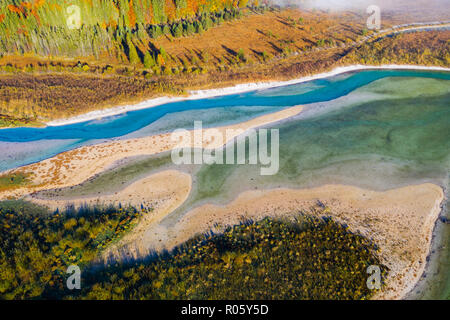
{"points": [[38, 246], [308, 258]]}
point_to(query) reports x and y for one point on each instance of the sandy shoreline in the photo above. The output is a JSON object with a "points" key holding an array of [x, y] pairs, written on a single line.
{"points": [[76, 166], [240, 88], [400, 221], [148, 192], [413, 209]]}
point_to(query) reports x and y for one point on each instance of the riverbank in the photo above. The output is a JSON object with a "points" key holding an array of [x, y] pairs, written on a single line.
{"points": [[75, 166], [237, 89], [400, 221]]}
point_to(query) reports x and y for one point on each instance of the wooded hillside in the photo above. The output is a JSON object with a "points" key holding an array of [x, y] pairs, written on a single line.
{"points": [[93, 27]]}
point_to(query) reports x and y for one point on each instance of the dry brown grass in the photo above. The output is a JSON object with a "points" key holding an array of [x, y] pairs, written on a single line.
{"points": [[270, 32], [52, 96]]}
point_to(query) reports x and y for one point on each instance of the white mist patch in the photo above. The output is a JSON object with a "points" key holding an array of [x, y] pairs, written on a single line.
{"points": [[334, 5], [421, 10]]}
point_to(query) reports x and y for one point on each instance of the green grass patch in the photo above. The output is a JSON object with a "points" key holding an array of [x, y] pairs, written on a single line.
{"points": [[13, 181], [8, 122]]}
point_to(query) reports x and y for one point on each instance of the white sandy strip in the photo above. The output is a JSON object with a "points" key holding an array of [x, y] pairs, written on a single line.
{"points": [[163, 192], [400, 221], [240, 88], [156, 191], [75, 166]]}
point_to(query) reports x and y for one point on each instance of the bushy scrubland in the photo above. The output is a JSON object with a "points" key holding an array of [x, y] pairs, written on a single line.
{"points": [[38, 246], [301, 258]]}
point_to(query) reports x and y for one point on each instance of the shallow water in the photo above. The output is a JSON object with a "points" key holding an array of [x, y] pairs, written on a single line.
{"points": [[143, 122], [435, 282], [378, 143], [372, 129], [399, 136]]}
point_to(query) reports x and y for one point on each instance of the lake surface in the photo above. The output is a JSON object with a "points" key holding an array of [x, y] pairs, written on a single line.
{"points": [[377, 129]]}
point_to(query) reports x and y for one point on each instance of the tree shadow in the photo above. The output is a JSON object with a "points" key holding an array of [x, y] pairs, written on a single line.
{"points": [[229, 50], [275, 47]]}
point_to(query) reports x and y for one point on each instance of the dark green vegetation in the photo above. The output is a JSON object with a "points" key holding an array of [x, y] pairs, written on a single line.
{"points": [[118, 28], [305, 258], [9, 121], [12, 181], [37, 246], [114, 41]]}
